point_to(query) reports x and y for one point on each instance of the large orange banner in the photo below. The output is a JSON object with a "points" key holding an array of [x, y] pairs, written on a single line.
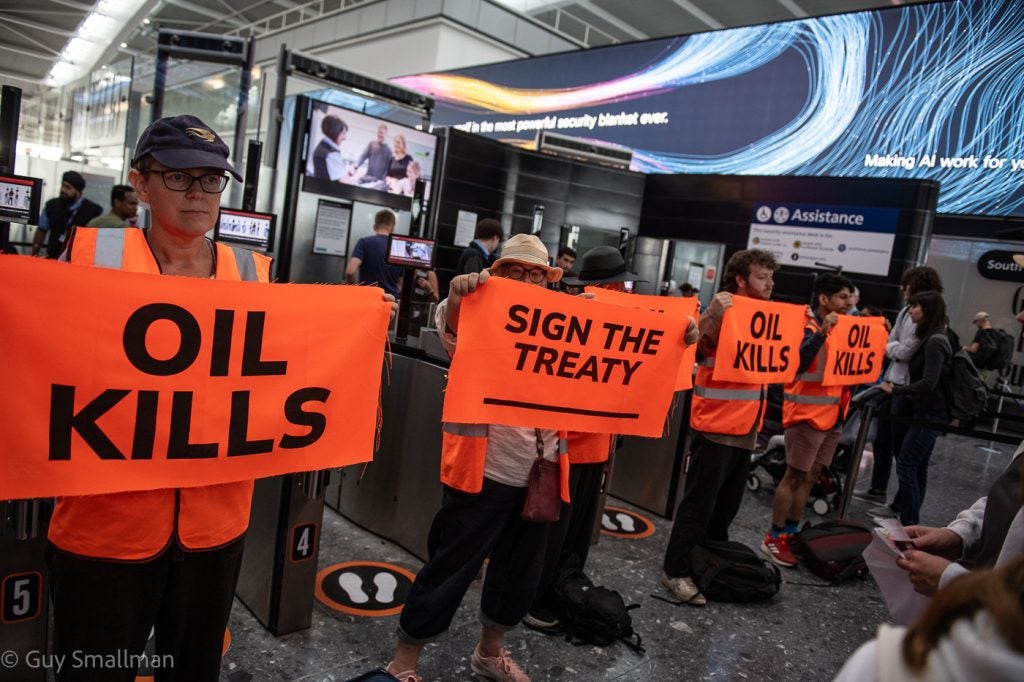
{"points": [[854, 351], [116, 381], [527, 356], [760, 342], [675, 306]]}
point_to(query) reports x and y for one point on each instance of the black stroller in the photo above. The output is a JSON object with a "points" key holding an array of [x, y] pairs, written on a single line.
{"points": [[769, 463]]}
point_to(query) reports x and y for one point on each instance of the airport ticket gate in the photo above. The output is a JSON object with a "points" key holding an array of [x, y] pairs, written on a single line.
{"points": [[24, 588], [397, 494], [649, 472], [281, 550]]}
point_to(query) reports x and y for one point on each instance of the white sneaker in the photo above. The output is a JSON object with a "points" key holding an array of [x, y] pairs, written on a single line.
{"points": [[684, 589]]}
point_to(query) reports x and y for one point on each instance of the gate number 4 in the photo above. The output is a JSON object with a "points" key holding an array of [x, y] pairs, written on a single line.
{"points": [[303, 541]]}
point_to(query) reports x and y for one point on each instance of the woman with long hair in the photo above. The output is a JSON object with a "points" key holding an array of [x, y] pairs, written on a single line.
{"points": [[929, 370]]}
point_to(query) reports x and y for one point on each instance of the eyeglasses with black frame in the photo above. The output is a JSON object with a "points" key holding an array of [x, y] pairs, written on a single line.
{"points": [[180, 181], [518, 272]]}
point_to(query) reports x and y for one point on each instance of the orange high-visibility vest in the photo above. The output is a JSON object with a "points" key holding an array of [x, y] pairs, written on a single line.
{"points": [[724, 407], [464, 454], [138, 525], [589, 448], [806, 400]]}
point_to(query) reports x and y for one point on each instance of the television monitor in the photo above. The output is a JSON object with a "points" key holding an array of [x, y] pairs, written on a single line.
{"points": [[246, 228], [410, 252], [20, 198], [355, 156]]}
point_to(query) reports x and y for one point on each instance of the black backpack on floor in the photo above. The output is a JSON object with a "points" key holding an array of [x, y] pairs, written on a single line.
{"points": [[732, 572], [591, 614], [833, 549]]}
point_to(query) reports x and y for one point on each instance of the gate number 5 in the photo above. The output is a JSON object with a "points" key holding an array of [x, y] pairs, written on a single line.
{"points": [[21, 597]]}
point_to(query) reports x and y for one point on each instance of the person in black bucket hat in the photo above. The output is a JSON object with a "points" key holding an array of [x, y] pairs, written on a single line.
{"points": [[602, 265], [568, 541]]}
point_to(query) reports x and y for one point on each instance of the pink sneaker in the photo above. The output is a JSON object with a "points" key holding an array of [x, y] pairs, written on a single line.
{"points": [[501, 668]]}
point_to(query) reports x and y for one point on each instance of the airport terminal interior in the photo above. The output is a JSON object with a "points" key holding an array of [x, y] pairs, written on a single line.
{"points": [[871, 150], [806, 632]]}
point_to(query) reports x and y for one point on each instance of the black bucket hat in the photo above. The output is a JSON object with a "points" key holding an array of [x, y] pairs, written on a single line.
{"points": [[601, 265], [184, 142]]}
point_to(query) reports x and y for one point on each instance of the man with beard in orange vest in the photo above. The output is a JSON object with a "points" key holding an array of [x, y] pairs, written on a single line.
{"points": [[725, 417]]}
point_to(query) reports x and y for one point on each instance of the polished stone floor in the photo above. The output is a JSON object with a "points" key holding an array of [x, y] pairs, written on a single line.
{"points": [[805, 633]]}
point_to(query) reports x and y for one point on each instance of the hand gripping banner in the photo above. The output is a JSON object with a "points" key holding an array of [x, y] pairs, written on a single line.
{"points": [[760, 342], [117, 381], [527, 356], [675, 306], [854, 351]]}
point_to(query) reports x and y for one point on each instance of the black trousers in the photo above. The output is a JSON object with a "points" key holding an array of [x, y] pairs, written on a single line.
{"points": [[887, 442], [715, 480], [467, 529], [108, 608], [573, 531]]}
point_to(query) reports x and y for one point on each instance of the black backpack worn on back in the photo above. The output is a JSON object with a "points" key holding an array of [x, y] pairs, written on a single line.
{"points": [[1002, 355], [591, 614], [732, 572], [832, 550], [965, 391]]}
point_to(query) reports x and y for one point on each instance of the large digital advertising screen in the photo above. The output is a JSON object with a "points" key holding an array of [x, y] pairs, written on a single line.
{"points": [[363, 158], [930, 91]]}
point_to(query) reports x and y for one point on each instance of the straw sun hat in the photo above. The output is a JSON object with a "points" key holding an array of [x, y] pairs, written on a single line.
{"points": [[526, 249]]}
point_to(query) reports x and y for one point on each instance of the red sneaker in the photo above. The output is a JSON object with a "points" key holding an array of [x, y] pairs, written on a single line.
{"points": [[778, 550]]}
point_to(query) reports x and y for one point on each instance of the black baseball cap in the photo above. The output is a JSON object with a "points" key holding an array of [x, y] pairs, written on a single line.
{"points": [[184, 142]]}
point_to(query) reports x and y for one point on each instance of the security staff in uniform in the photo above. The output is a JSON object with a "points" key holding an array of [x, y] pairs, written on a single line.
{"points": [[726, 418], [62, 213]]}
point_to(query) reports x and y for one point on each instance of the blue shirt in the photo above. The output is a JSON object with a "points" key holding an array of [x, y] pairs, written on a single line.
{"points": [[372, 251], [487, 254]]}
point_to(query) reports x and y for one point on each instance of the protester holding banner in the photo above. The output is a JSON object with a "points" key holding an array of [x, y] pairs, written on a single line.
{"points": [[485, 469], [166, 560], [726, 417], [929, 368], [569, 538], [812, 416]]}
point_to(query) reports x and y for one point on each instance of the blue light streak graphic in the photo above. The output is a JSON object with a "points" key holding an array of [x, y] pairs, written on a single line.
{"points": [[886, 93]]}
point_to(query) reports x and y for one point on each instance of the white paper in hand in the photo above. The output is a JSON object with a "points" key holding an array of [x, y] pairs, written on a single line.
{"points": [[905, 605]]}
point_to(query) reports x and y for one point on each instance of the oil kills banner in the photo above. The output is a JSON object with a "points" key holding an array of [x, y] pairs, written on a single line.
{"points": [[760, 342], [855, 348], [117, 381], [671, 305], [527, 356]]}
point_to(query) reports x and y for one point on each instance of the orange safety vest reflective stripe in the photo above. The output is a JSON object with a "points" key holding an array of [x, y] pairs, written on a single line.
{"points": [[806, 400], [464, 454], [138, 525], [589, 448], [724, 407]]}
